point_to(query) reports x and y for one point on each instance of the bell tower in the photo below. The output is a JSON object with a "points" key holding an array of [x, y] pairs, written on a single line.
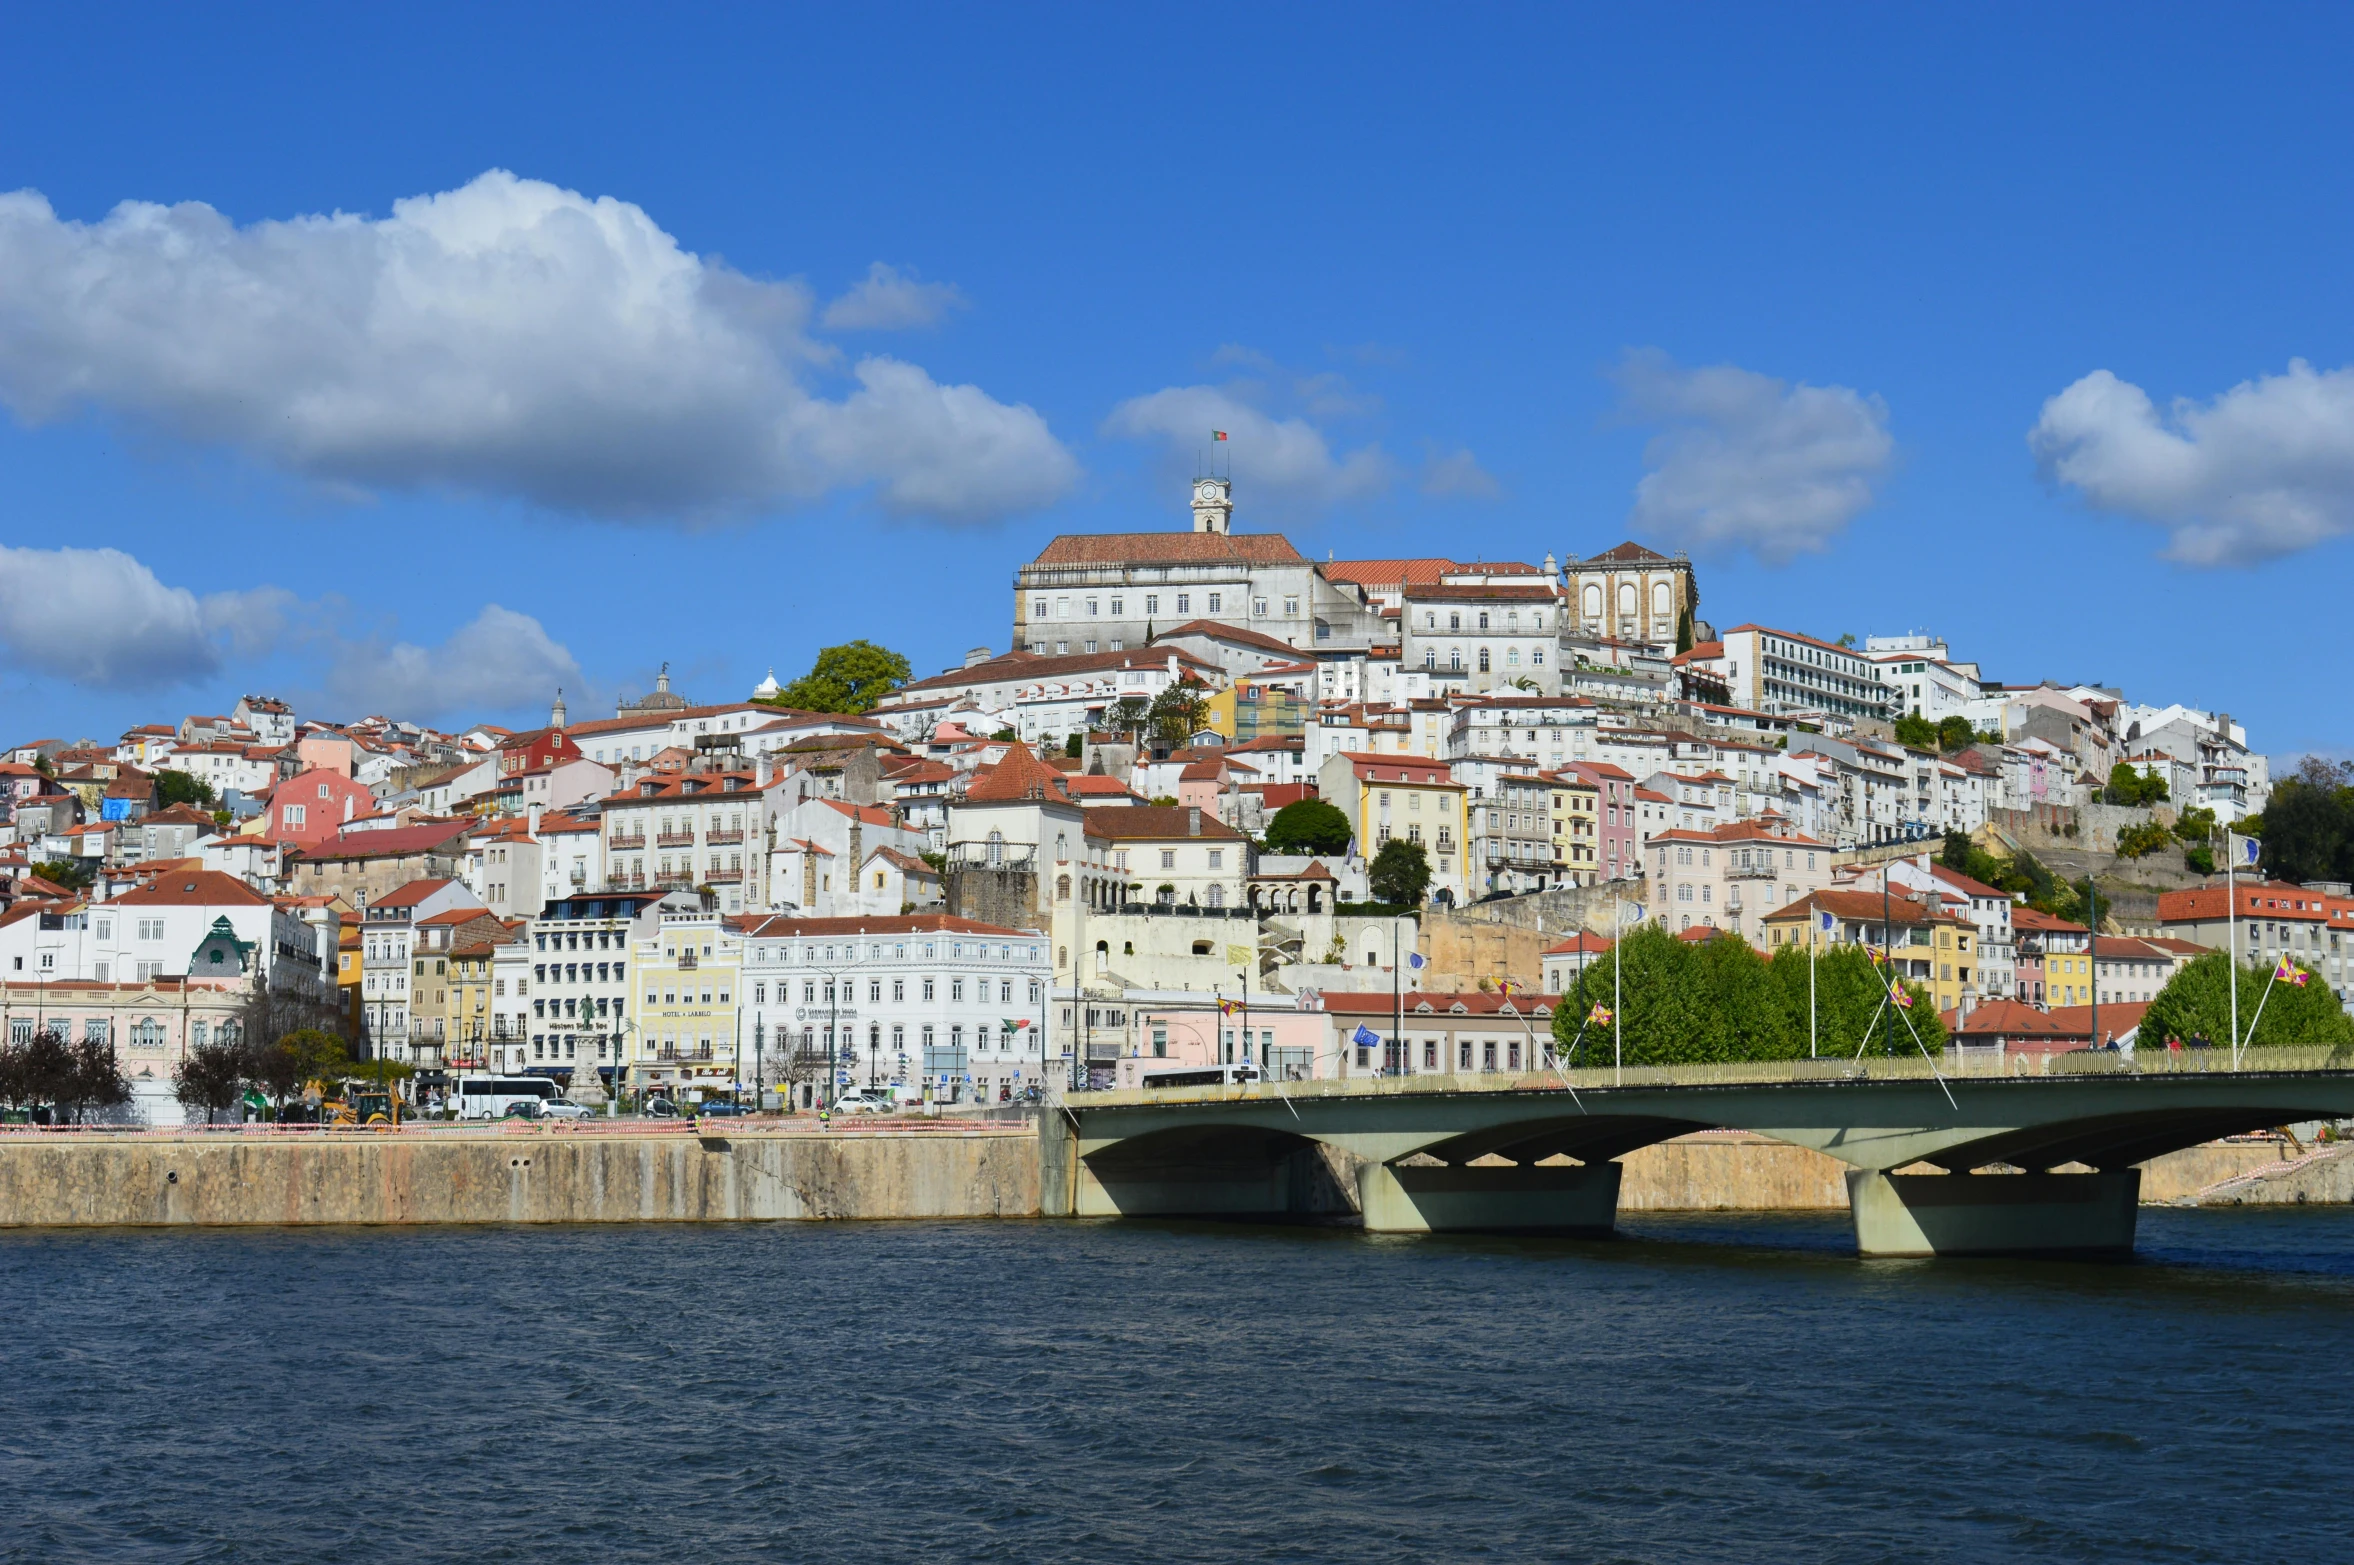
{"points": [[1213, 505]]}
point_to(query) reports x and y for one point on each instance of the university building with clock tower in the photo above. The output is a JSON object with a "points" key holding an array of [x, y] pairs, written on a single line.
{"points": [[1113, 592]]}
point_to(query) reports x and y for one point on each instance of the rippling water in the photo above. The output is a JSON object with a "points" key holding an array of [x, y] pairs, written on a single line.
{"points": [[1705, 1388]]}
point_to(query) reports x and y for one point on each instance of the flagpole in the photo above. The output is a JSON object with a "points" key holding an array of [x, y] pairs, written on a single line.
{"points": [[1397, 996], [1618, 1059], [2231, 937], [1813, 939]]}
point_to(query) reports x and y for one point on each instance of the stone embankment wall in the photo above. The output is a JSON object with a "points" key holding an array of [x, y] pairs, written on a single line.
{"points": [[508, 1177], [537, 1176]]}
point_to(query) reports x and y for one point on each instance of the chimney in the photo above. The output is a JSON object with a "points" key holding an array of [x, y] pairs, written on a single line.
{"points": [[763, 770], [533, 814], [977, 655], [1193, 822]]}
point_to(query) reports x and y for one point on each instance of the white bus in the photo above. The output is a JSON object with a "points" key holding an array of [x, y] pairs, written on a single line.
{"points": [[1200, 1076], [489, 1097]]}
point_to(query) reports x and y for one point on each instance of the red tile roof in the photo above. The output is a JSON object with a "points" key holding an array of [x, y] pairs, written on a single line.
{"points": [[194, 888], [1390, 574], [780, 926], [411, 894], [1169, 549], [1158, 822], [1019, 776]]}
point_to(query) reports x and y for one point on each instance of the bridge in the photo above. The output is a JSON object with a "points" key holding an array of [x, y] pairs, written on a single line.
{"points": [[1953, 1161]]}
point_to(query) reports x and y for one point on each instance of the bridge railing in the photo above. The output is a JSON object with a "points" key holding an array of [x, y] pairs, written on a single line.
{"points": [[1974, 1065]]}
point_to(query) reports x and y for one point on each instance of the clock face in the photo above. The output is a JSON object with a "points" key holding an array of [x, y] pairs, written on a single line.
{"points": [[1206, 492]]}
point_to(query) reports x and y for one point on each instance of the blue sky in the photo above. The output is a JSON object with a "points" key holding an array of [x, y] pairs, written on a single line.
{"points": [[1790, 290]]}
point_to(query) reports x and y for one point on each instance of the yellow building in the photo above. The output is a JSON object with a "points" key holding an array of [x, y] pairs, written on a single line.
{"points": [[1577, 812], [1251, 709], [1935, 949], [1408, 796], [680, 1032]]}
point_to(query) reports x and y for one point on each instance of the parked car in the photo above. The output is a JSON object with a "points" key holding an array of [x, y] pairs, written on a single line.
{"points": [[863, 1100], [709, 1110], [659, 1108], [565, 1108]]}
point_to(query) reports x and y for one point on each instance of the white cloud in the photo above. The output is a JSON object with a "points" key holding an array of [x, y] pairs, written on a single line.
{"points": [[2263, 470], [1457, 473], [99, 617], [508, 338], [1281, 465], [1745, 461], [889, 299], [496, 662]]}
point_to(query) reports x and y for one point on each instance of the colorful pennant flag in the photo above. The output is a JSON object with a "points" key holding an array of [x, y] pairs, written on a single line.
{"points": [[2286, 969], [1227, 1007], [1599, 1016], [1901, 995]]}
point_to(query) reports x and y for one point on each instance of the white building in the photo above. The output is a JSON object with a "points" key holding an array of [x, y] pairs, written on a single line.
{"points": [[925, 1004]]}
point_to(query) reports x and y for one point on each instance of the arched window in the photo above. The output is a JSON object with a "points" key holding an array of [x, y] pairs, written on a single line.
{"points": [[1062, 888], [196, 1036], [1626, 597], [1455, 621], [1483, 660], [996, 849], [1455, 659], [1593, 601], [1659, 600], [1217, 896], [1430, 657], [1512, 657], [1483, 619]]}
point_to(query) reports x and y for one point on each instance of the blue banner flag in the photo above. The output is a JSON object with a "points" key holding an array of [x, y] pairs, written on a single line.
{"points": [[1414, 959], [1365, 1037]]}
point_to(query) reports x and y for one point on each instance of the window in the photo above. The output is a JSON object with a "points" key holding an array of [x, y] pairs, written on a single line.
{"points": [[294, 815], [1168, 858], [1185, 603], [1259, 607], [1214, 598], [1217, 858], [1152, 603], [1483, 660], [1038, 608]]}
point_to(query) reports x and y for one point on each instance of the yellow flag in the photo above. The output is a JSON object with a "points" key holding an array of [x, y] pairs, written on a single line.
{"points": [[1238, 956]]}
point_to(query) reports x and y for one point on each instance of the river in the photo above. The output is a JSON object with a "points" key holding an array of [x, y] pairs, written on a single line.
{"points": [[1723, 1388]]}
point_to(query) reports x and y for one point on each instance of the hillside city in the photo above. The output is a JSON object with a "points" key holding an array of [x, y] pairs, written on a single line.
{"points": [[1367, 814]]}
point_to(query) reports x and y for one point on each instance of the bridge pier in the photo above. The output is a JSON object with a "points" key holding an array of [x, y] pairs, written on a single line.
{"points": [[1556, 1198], [1993, 1214]]}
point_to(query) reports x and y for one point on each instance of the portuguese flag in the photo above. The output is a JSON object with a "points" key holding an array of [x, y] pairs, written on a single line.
{"points": [[1217, 434]]}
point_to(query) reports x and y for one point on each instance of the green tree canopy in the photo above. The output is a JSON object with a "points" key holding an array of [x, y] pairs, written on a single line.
{"points": [[1955, 733], [849, 678], [1718, 1000], [211, 1078], [180, 788], [1180, 711], [2127, 786], [1308, 826], [2196, 1003], [2308, 824], [73, 874], [1400, 873], [1916, 732]]}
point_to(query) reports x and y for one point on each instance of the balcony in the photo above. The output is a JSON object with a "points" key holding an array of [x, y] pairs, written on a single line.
{"points": [[674, 839], [723, 838], [979, 855], [1753, 871], [620, 844], [674, 877], [722, 877]]}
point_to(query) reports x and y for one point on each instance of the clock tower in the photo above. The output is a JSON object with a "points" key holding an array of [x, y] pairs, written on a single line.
{"points": [[1213, 505]]}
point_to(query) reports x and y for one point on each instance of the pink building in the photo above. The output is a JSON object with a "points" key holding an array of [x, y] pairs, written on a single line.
{"points": [[309, 807], [1286, 1043], [1619, 841]]}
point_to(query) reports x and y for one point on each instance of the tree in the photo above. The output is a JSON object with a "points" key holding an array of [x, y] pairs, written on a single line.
{"points": [[2139, 841], [93, 1079], [211, 1078], [849, 678], [1400, 873], [2129, 787], [2196, 1003], [1955, 733], [1916, 732], [1683, 1003], [1074, 746], [1684, 630], [1129, 715], [2308, 824], [1179, 711], [72, 874], [181, 788], [1308, 826]]}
